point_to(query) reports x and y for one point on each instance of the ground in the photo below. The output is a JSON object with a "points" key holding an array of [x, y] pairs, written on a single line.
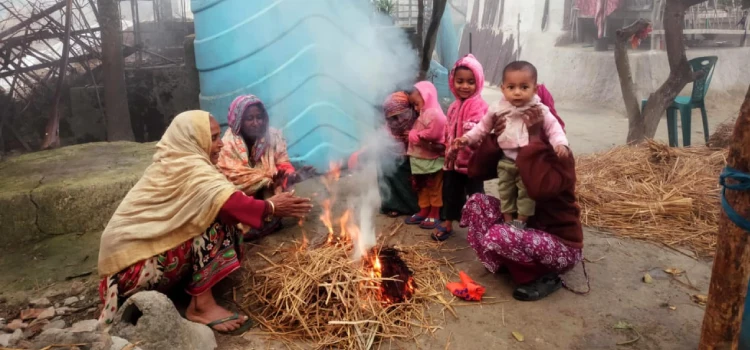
{"points": [[565, 320]]}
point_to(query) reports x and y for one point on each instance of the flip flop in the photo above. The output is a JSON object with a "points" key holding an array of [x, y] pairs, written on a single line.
{"points": [[414, 220], [239, 331], [444, 233], [429, 224]]}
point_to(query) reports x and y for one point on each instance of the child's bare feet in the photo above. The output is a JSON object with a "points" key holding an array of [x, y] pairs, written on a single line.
{"points": [[203, 309]]}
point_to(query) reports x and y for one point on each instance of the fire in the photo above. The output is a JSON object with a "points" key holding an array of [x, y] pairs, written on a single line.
{"points": [[301, 224], [326, 219], [398, 284], [344, 225]]}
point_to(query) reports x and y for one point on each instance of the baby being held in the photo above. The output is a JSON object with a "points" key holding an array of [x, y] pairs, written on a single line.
{"points": [[523, 112]]}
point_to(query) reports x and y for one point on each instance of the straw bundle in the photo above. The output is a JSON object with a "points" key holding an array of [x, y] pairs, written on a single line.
{"points": [[322, 296], [654, 192]]}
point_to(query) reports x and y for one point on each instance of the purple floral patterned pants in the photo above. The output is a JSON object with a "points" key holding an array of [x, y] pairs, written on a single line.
{"points": [[528, 254]]}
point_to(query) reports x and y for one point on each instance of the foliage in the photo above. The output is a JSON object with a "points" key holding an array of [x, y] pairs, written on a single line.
{"points": [[385, 6]]}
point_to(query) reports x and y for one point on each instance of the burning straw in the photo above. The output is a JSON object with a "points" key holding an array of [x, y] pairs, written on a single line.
{"points": [[323, 296], [655, 193]]}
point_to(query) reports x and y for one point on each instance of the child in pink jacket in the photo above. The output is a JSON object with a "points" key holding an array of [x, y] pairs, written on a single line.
{"points": [[426, 151], [522, 110], [466, 81]]}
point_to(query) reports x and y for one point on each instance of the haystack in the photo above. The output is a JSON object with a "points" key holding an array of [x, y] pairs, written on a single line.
{"points": [[655, 193]]}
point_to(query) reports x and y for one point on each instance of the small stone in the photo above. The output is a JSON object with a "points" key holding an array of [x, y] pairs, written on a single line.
{"points": [[57, 305], [16, 337], [56, 324], [35, 328], [30, 314], [5, 340], [88, 326], [46, 314], [41, 302], [119, 344], [64, 311], [70, 301], [15, 325], [77, 288]]}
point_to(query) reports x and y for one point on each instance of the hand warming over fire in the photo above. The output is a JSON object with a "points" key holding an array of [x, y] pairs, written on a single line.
{"points": [[288, 205]]}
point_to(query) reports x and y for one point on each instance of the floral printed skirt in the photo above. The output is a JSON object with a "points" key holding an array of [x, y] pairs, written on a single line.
{"points": [[528, 254], [203, 261]]}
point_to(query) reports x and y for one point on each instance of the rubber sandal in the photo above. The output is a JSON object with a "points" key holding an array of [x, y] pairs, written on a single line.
{"points": [[539, 289], [444, 234], [430, 224], [239, 331], [414, 220]]}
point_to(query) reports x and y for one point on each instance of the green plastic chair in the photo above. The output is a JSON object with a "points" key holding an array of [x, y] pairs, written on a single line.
{"points": [[686, 104]]}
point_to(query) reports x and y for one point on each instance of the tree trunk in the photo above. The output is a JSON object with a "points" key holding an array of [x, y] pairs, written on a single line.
{"points": [[438, 8], [115, 94], [52, 130], [726, 294], [680, 73], [636, 127], [420, 23]]}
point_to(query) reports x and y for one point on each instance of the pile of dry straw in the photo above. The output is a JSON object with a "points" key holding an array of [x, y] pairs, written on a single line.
{"points": [[320, 295], [655, 193]]}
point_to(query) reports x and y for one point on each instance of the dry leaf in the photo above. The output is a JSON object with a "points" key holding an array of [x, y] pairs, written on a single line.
{"points": [[674, 272], [518, 336], [623, 325], [699, 299], [648, 279]]}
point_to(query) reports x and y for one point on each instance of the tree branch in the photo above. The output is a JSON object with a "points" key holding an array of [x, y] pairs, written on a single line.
{"points": [[636, 126]]}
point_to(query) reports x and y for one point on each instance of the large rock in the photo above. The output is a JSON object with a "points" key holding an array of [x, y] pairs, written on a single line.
{"points": [[68, 190], [151, 320]]}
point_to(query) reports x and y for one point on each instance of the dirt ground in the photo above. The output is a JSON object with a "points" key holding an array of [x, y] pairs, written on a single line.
{"points": [[564, 320]]}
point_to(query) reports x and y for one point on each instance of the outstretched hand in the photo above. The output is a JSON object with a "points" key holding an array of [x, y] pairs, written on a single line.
{"points": [[287, 205]]}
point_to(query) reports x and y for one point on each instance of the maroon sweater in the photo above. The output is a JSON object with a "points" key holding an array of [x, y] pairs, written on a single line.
{"points": [[551, 182]]}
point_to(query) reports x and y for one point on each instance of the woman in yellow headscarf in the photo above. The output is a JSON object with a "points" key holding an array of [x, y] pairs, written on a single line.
{"points": [[180, 221]]}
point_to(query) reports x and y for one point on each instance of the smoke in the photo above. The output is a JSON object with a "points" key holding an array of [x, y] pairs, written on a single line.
{"points": [[360, 57], [381, 157]]}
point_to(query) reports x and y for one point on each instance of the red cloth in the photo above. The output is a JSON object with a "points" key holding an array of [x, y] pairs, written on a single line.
{"points": [[240, 208], [467, 289], [551, 181], [546, 97]]}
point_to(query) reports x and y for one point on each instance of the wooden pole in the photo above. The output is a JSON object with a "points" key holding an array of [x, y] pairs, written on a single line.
{"points": [[52, 131], [726, 295]]}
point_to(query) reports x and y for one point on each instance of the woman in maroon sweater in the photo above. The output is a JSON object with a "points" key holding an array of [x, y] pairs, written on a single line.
{"points": [[553, 242]]}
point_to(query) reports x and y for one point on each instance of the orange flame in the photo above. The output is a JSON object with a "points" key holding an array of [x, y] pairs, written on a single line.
{"points": [[304, 234], [344, 224], [333, 175], [326, 219]]}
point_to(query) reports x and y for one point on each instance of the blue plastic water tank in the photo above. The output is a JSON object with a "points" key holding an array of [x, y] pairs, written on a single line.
{"points": [[274, 49]]}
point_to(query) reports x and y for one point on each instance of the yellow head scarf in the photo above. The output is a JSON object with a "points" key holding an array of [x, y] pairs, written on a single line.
{"points": [[177, 199]]}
